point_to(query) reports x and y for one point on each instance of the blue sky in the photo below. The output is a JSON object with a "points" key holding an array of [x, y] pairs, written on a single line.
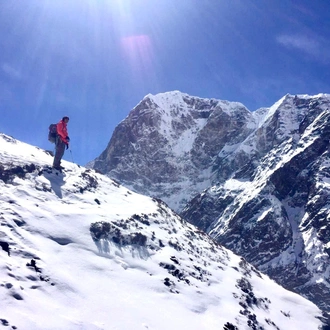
{"points": [[95, 60]]}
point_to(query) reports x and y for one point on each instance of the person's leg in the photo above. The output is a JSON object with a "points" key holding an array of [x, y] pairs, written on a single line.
{"points": [[60, 148]]}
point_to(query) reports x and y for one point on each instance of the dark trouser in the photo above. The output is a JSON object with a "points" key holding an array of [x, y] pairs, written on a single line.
{"points": [[59, 152]]}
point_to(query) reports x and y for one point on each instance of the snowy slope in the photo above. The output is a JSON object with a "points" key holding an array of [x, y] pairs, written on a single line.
{"points": [[80, 251]]}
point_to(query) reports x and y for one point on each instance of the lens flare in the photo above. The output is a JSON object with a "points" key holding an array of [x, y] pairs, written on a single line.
{"points": [[137, 51]]}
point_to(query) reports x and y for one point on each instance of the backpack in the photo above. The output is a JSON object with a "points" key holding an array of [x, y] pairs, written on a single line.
{"points": [[52, 134]]}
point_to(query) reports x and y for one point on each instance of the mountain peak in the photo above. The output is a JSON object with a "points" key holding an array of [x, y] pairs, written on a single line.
{"points": [[181, 135]]}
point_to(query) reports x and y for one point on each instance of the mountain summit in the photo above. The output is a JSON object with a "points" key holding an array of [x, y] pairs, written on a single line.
{"points": [[80, 251], [169, 143], [257, 182]]}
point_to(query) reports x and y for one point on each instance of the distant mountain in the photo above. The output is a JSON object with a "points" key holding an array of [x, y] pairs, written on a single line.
{"points": [[257, 182], [168, 144], [79, 251]]}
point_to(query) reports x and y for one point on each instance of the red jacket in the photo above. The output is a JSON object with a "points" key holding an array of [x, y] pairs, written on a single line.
{"points": [[62, 131]]}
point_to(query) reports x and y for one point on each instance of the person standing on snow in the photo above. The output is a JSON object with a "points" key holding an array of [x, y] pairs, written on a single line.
{"points": [[62, 141]]}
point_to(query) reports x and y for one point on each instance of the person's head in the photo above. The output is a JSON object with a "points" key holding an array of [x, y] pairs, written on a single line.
{"points": [[65, 119]]}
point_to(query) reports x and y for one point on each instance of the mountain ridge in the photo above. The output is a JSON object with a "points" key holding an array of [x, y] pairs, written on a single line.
{"points": [[148, 122]]}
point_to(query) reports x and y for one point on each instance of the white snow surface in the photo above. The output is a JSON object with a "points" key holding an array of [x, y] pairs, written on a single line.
{"points": [[163, 100], [79, 283]]}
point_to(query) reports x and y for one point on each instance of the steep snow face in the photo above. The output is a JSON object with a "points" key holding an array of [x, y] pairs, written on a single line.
{"points": [[173, 108], [169, 143], [79, 251]]}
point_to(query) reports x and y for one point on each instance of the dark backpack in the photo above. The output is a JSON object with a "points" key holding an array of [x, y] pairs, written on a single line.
{"points": [[52, 134]]}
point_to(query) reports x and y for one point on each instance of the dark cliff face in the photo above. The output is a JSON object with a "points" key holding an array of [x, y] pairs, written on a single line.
{"points": [[258, 183], [132, 142], [221, 129]]}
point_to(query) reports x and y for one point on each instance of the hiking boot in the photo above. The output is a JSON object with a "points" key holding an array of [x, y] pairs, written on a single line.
{"points": [[59, 168]]}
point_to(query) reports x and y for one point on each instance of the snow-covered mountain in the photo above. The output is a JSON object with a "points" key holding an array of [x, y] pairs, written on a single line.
{"points": [[257, 182], [80, 251], [168, 144]]}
